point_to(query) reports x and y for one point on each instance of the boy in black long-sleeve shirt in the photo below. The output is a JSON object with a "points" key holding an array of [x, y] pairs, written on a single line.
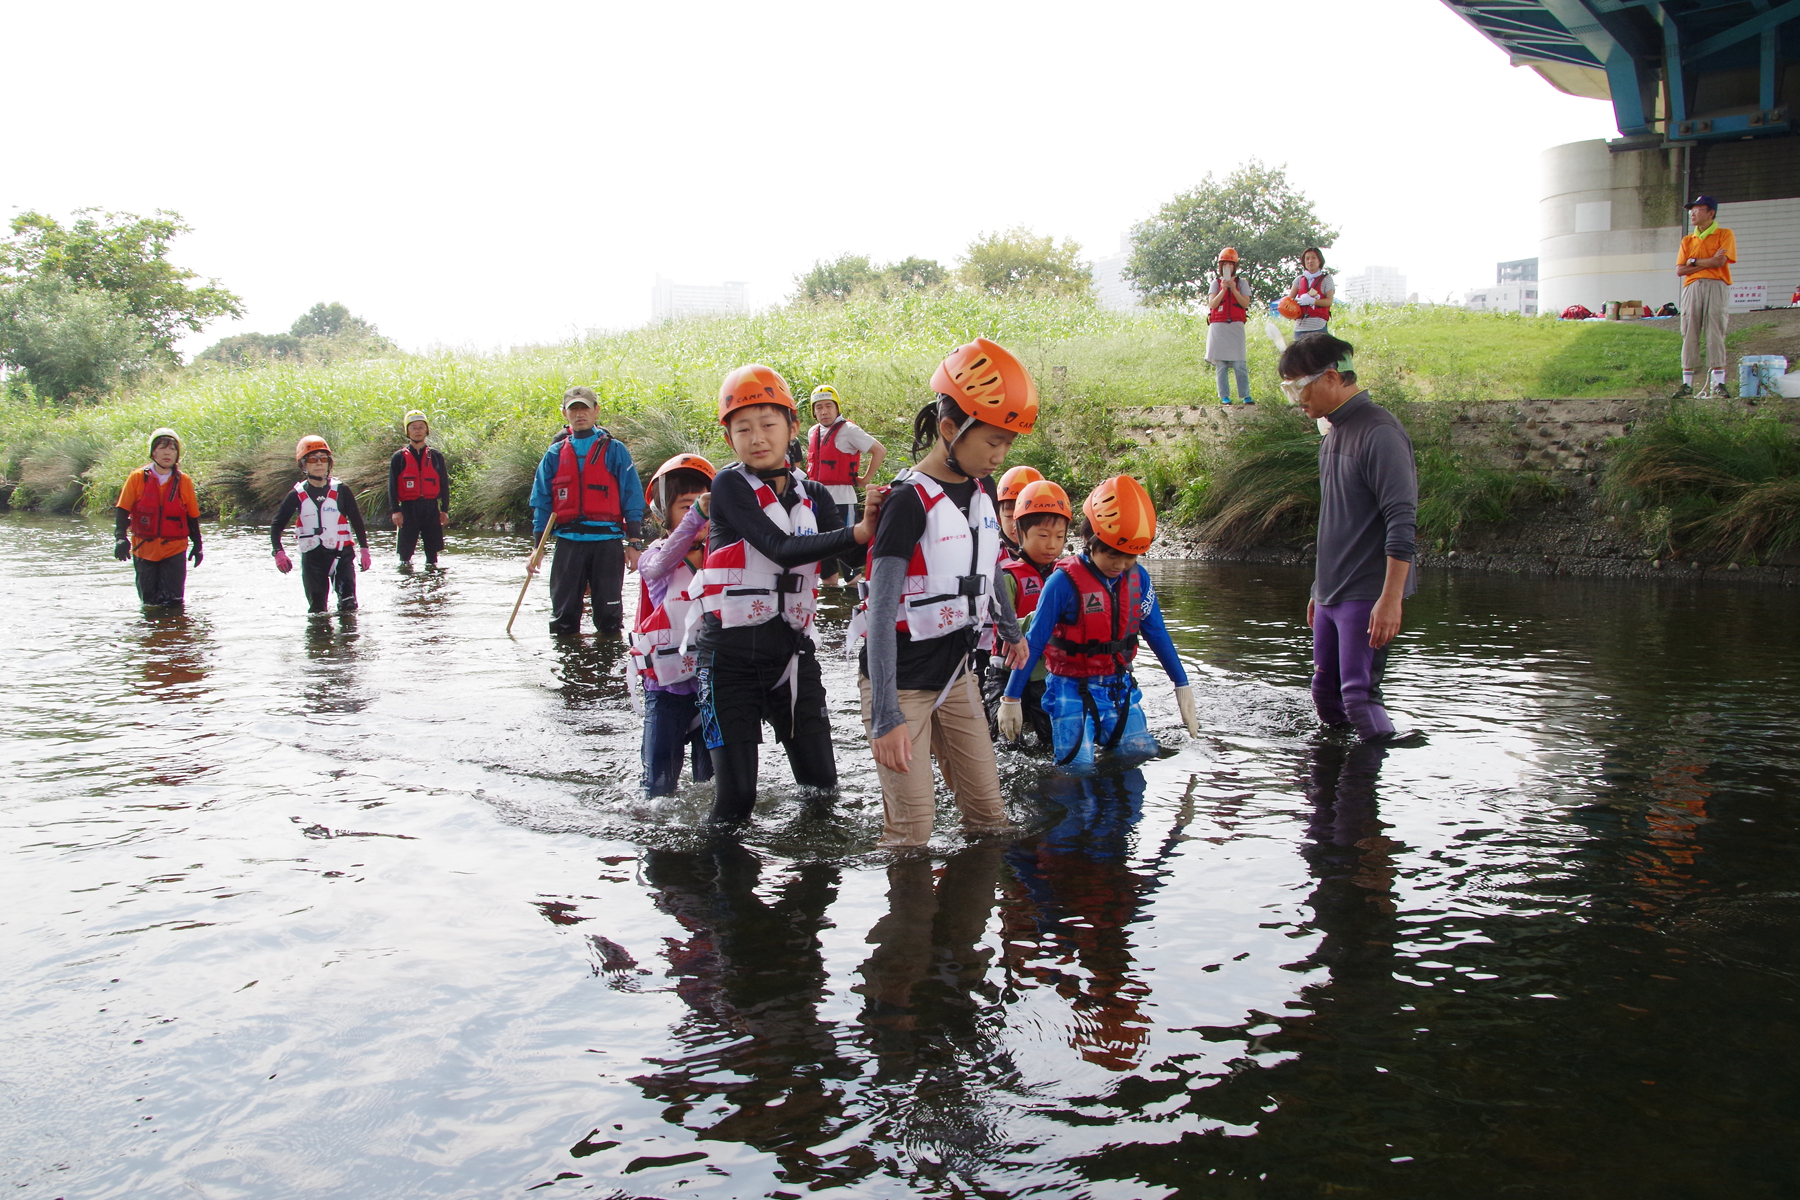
{"points": [[328, 527], [418, 492]]}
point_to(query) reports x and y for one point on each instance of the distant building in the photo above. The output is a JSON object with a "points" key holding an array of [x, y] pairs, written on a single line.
{"points": [[1519, 270], [670, 301], [1376, 285], [1111, 288], [1517, 297]]}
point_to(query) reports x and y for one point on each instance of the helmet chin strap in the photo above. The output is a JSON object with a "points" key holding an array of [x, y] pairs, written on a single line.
{"points": [[950, 450]]}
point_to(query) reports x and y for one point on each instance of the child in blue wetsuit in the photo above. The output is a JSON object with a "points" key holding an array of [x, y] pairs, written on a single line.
{"points": [[1090, 615]]}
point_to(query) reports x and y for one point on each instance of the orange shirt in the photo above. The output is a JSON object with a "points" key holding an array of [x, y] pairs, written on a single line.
{"points": [[1704, 245], [157, 549]]}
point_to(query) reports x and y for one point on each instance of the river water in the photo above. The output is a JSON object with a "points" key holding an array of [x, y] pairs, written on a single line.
{"points": [[370, 906]]}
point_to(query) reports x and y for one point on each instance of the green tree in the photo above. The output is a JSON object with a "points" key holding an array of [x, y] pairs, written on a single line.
{"points": [[72, 342], [334, 321], [1020, 261], [125, 256], [837, 279], [1254, 209], [914, 274]]}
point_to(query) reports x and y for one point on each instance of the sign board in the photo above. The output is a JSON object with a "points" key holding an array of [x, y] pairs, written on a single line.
{"points": [[1749, 295]]}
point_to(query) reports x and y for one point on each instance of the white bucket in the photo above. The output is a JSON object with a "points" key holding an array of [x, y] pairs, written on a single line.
{"points": [[1789, 385], [1757, 374]]}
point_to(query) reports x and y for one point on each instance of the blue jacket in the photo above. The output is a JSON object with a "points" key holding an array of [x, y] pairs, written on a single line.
{"points": [[1059, 603], [631, 492]]}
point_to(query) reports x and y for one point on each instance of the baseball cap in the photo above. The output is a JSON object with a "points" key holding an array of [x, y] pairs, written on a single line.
{"points": [[1697, 201], [579, 395]]}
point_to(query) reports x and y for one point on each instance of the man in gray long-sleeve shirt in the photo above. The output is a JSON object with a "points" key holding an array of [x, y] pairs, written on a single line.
{"points": [[1368, 520]]}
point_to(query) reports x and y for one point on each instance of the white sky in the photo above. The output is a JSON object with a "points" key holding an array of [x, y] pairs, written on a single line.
{"points": [[486, 175]]}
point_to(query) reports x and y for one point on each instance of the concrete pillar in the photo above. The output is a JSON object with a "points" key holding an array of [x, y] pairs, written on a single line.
{"points": [[1610, 224]]}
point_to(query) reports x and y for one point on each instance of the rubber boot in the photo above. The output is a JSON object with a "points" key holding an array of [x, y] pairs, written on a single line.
{"points": [[734, 786]]}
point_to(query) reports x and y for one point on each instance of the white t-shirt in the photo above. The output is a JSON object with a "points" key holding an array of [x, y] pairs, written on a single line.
{"points": [[850, 437]]}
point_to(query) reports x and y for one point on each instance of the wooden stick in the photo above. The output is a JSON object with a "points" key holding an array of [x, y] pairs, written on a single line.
{"points": [[537, 556]]}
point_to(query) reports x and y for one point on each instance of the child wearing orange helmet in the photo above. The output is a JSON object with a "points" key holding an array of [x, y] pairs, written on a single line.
{"points": [[665, 568], [328, 528], [1091, 614], [1011, 484], [930, 595], [757, 592], [1041, 515]]}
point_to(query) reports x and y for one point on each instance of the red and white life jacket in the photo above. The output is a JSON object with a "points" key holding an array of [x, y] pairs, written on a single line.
{"points": [[950, 576], [656, 635], [419, 477], [741, 587], [584, 490], [328, 527], [1030, 585], [1103, 639], [1323, 308], [826, 461], [159, 514], [1227, 309]]}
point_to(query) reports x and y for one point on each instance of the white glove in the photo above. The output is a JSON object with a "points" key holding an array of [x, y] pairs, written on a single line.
{"points": [[1310, 299], [1184, 700], [1011, 719]]}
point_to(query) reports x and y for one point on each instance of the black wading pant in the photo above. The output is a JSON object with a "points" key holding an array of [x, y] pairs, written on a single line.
{"points": [[735, 699], [163, 581], [420, 519], [578, 567], [321, 570]]}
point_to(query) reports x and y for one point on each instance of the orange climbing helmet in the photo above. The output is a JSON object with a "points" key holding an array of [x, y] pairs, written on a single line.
{"points": [[1228, 254], [681, 462], [1014, 482], [1289, 308], [1043, 496], [309, 444], [1121, 513], [989, 384], [753, 384]]}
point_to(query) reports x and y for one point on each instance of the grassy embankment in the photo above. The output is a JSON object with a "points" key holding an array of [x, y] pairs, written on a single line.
{"points": [[492, 414]]}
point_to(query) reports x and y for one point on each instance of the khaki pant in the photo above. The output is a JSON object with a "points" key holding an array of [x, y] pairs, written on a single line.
{"points": [[1703, 304], [957, 736]]}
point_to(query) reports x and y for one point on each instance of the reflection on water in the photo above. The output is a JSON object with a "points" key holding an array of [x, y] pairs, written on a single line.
{"points": [[368, 905]]}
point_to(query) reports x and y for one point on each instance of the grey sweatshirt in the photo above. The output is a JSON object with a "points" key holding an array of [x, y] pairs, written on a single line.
{"points": [[1368, 503]]}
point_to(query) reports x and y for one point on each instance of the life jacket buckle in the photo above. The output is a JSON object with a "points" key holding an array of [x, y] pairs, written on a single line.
{"points": [[971, 585], [788, 583]]}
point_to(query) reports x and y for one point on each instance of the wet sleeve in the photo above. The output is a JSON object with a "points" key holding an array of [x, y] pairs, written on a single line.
{"points": [[394, 465], [353, 514], [1156, 632], [443, 470], [194, 531], [284, 516], [631, 491], [887, 578], [1059, 592], [736, 514], [540, 492], [661, 556], [121, 522], [1391, 475]]}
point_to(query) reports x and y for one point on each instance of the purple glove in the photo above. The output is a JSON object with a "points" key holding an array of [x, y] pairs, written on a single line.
{"points": [[366, 561], [283, 563]]}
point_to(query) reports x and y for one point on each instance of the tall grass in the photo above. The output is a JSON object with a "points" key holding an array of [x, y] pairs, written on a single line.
{"points": [[1703, 479], [493, 414]]}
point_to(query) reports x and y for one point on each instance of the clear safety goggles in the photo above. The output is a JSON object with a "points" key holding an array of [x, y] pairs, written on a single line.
{"points": [[1291, 388]]}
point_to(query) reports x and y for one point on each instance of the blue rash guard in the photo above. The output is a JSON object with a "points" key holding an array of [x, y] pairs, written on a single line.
{"points": [[631, 492], [1061, 598]]}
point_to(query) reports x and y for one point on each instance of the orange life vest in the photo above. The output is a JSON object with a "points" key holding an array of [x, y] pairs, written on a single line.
{"points": [[158, 514]]}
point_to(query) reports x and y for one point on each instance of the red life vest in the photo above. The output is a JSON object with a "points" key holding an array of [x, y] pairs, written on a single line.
{"points": [[158, 514], [1104, 638], [1228, 309], [1030, 582], [584, 492], [419, 477], [1323, 308], [826, 461]]}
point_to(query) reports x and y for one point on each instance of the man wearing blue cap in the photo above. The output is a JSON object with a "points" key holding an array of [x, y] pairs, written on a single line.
{"points": [[1704, 264]]}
